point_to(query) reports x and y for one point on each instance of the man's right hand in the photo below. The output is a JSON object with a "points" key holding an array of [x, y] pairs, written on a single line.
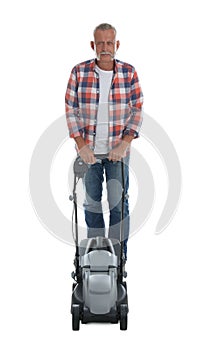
{"points": [[85, 152], [87, 155]]}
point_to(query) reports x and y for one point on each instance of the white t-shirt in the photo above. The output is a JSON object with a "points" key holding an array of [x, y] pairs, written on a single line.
{"points": [[101, 141]]}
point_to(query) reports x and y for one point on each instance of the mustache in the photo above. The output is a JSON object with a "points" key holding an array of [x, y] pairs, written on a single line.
{"points": [[106, 53]]}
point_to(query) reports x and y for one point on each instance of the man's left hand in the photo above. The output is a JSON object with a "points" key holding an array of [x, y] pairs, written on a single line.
{"points": [[119, 152]]}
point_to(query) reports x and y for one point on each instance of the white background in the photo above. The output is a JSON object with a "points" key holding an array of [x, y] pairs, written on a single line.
{"points": [[169, 282]]}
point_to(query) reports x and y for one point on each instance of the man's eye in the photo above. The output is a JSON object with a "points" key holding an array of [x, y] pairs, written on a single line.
{"points": [[101, 43]]}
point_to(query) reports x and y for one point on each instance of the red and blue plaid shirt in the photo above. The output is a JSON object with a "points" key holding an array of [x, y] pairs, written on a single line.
{"points": [[82, 101]]}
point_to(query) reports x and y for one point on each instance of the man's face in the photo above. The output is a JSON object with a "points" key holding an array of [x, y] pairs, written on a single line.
{"points": [[105, 45]]}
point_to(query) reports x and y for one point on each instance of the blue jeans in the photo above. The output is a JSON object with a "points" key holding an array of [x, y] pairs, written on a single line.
{"points": [[93, 182]]}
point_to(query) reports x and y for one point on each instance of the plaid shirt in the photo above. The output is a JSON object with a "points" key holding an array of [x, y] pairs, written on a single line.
{"points": [[82, 100]]}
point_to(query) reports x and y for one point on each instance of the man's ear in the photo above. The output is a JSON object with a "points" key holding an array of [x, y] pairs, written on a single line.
{"points": [[92, 44], [117, 44]]}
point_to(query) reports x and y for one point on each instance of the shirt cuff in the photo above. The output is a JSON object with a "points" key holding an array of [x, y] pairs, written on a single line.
{"points": [[131, 132], [75, 134]]}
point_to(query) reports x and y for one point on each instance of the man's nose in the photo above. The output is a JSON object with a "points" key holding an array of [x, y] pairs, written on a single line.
{"points": [[104, 46]]}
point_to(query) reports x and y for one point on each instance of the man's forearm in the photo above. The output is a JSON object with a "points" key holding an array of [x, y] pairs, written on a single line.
{"points": [[128, 138], [80, 142]]}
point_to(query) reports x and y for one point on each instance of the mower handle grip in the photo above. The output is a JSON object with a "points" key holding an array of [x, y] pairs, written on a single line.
{"points": [[101, 156]]}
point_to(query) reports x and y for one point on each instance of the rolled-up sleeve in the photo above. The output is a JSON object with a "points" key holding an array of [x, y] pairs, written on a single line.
{"points": [[136, 104], [73, 119]]}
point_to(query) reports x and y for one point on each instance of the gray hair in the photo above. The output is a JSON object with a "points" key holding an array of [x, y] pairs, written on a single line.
{"points": [[104, 26]]}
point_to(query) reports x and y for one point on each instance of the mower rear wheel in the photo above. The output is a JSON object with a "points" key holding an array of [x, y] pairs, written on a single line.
{"points": [[75, 317], [123, 317]]}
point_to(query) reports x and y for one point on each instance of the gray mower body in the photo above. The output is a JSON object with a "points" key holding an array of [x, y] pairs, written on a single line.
{"points": [[100, 295]]}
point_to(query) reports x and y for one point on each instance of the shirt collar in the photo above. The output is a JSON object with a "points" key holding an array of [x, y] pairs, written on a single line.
{"points": [[93, 65]]}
